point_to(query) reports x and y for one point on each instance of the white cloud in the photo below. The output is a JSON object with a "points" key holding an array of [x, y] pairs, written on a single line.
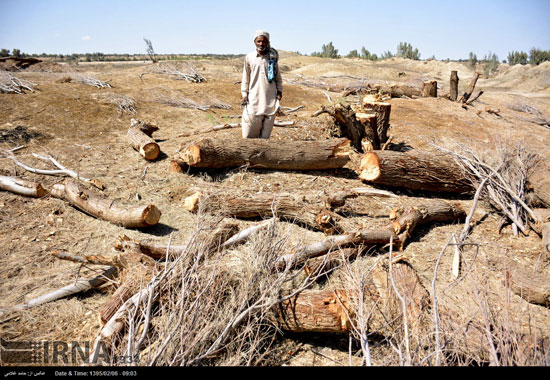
{"points": [[86, 38]]}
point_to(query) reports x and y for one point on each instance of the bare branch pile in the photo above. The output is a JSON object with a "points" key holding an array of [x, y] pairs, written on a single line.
{"points": [[190, 75], [10, 84]]}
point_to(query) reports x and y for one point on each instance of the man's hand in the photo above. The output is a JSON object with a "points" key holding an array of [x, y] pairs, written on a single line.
{"points": [[279, 95], [244, 102]]}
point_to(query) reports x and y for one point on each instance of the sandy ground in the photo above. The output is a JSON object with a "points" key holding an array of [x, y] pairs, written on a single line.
{"points": [[75, 123]]}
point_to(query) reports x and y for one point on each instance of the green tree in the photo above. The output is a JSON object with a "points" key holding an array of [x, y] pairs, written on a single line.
{"points": [[517, 57], [4, 53], [365, 54], [387, 54], [327, 51], [405, 50], [490, 64], [16, 53], [537, 56], [472, 60], [353, 54]]}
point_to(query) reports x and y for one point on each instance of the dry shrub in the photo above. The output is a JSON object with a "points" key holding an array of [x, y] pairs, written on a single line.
{"points": [[123, 102], [212, 307]]}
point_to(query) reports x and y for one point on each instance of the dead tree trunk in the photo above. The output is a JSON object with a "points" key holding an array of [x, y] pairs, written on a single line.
{"points": [[531, 286], [139, 136], [429, 89], [398, 231], [382, 112], [267, 154], [21, 187], [464, 98], [414, 170], [454, 85], [130, 217], [265, 205]]}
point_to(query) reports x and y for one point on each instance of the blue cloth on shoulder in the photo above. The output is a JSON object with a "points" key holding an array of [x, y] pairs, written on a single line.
{"points": [[271, 62]]}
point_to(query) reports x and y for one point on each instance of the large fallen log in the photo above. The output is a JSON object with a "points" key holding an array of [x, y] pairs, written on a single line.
{"points": [[105, 209], [22, 187], [414, 170], [398, 231], [139, 136], [264, 205], [267, 154]]}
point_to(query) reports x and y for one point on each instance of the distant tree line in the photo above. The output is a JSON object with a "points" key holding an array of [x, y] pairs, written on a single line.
{"points": [[98, 57], [535, 57]]}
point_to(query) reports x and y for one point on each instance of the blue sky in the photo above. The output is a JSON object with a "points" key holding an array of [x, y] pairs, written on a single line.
{"points": [[444, 28]]}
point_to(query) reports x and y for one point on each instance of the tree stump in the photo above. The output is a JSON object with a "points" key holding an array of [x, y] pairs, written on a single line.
{"points": [[454, 85], [429, 89], [382, 112]]}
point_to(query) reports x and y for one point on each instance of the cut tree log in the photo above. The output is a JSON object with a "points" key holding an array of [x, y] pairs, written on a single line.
{"points": [[429, 89], [336, 311], [464, 98], [414, 170], [398, 231], [534, 287], [542, 226], [140, 138], [22, 187], [396, 90], [382, 111], [267, 154], [264, 205], [454, 85], [105, 209], [539, 183]]}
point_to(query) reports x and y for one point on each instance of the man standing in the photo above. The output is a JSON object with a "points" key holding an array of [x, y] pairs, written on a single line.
{"points": [[261, 88]]}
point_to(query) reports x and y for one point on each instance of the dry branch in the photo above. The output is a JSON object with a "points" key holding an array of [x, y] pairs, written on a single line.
{"points": [[60, 171], [130, 217], [78, 286], [398, 231], [140, 138], [190, 75], [9, 84], [21, 187], [220, 127], [267, 154]]}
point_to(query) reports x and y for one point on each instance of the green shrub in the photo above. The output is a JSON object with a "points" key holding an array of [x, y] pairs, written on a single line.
{"points": [[537, 56], [405, 50]]}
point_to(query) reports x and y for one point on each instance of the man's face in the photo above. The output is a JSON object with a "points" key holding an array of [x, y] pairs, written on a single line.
{"points": [[261, 43]]}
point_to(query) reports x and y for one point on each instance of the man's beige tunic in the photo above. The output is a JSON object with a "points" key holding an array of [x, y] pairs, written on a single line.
{"points": [[262, 95]]}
